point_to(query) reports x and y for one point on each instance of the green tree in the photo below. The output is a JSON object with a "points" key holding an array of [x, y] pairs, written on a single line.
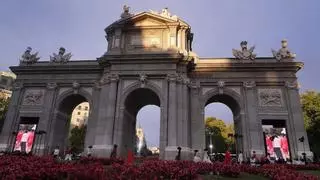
{"points": [[76, 139], [310, 101], [219, 131], [4, 104]]}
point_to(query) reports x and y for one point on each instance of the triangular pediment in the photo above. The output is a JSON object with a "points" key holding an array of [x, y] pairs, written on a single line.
{"points": [[146, 19]]}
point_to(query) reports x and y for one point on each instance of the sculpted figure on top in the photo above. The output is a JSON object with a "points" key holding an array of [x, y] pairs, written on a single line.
{"points": [[125, 13], [244, 53], [165, 13], [284, 52], [29, 58], [61, 57]]}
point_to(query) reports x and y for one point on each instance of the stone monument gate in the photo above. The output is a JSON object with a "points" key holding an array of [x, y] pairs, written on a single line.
{"points": [[149, 60]]}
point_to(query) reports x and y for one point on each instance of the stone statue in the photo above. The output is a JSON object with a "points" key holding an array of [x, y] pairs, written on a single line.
{"points": [[244, 53], [189, 40], [29, 58], [125, 13], [61, 57], [284, 52], [165, 13]]}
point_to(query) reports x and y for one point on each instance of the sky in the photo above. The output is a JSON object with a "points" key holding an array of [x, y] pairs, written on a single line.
{"points": [[218, 25]]}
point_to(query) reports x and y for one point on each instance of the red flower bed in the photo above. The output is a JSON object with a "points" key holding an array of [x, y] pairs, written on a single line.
{"points": [[32, 167], [277, 172]]}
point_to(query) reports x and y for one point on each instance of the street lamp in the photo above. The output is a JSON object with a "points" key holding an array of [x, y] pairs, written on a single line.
{"points": [[211, 147]]}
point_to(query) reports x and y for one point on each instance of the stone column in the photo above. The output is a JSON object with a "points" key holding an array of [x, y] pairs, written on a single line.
{"points": [[255, 136], [296, 121], [46, 122], [197, 122], [186, 121], [93, 116], [171, 149], [7, 138], [104, 127]]}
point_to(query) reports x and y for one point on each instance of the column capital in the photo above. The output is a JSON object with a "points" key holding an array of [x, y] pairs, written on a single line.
{"points": [[249, 84], [52, 85], [108, 78], [292, 84], [172, 77], [17, 86]]}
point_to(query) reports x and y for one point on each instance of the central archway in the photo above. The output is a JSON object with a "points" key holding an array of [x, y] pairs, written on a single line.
{"points": [[133, 103]]}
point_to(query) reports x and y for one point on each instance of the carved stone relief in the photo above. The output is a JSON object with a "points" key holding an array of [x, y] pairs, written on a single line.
{"points": [[270, 97], [221, 85], [33, 97]]}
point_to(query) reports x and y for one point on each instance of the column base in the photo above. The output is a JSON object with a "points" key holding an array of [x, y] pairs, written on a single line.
{"points": [[171, 152]]}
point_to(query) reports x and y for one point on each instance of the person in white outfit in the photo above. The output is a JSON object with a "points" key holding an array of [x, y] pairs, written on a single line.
{"points": [[206, 157], [196, 157], [240, 157]]}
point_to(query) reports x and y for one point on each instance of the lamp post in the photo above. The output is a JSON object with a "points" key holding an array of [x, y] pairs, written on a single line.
{"points": [[210, 133], [301, 139]]}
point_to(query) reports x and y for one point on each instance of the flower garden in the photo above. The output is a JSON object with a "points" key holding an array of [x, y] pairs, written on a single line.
{"points": [[32, 167]]}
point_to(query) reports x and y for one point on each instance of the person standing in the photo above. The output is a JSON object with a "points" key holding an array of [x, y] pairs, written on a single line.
{"points": [[178, 157], [68, 156], [206, 157], [227, 158], [89, 151], [240, 157], [56, 152], [196, 157], [114, 152], [24, 140]]}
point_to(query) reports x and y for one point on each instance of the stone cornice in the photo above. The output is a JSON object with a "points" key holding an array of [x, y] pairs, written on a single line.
{"points": [[141, 58], [46, 67], [229, 65]]}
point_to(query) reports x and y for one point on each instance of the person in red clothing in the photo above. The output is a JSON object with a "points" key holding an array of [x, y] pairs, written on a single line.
{"points": [[269, 145], [130, 157], [227, 158], [284, 147]]}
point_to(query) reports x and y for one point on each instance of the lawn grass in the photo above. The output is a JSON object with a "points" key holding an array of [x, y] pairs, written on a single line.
{"points": [[243, 176], [312, 172]]}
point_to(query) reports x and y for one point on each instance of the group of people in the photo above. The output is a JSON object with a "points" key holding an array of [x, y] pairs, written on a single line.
{"points": [[70, 155], [227, 159]]}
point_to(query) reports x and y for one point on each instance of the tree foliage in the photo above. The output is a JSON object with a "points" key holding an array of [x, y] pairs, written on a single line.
{"points": [[219, 131], [310, 101], [4, 104], [77, 137]]}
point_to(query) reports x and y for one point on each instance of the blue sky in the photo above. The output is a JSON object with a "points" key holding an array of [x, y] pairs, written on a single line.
{"points": [[219, 26]]}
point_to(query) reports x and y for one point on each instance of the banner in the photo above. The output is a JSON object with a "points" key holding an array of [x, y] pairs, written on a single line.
{"points": [[25, 138], [276, 142]]}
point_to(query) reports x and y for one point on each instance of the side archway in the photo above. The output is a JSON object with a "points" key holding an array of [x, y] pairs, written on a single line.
{"points": [[61, 120]]}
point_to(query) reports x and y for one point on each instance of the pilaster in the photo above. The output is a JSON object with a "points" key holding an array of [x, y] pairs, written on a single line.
{"points": [[255, 138], [7, 136], [296, 120]]}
